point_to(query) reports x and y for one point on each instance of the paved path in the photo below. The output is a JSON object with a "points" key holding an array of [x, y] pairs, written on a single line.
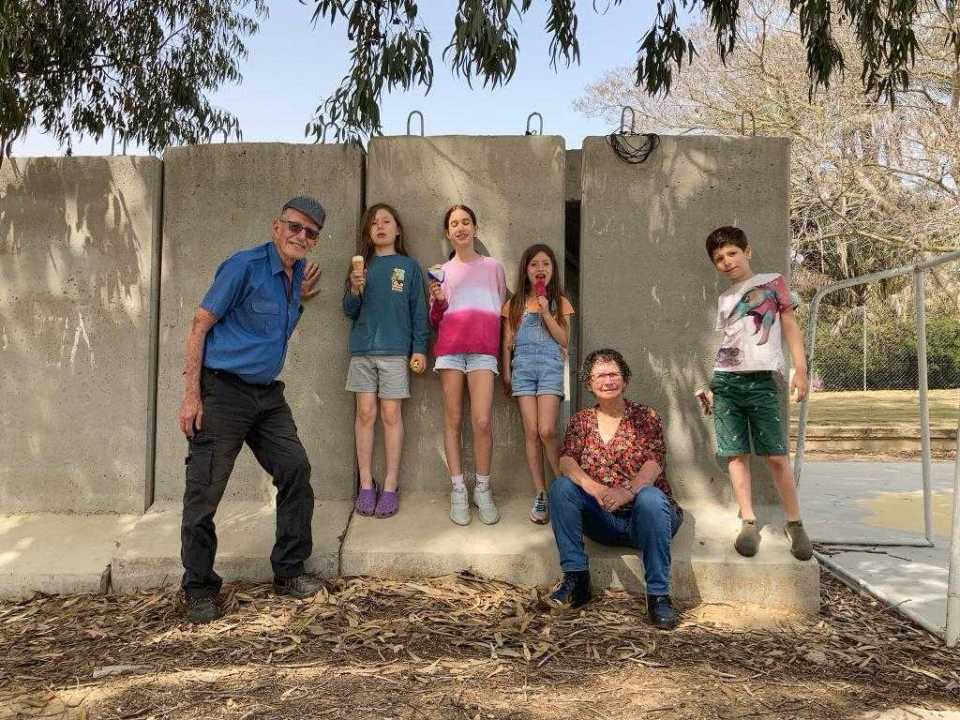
{"points": [[882, 502]]}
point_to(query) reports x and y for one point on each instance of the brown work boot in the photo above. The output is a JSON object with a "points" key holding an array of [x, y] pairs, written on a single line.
{"points": [[800, 545], [748, 540]]}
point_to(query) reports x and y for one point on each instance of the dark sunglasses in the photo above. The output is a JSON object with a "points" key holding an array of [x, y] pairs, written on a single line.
{"points": [[296, 227]]}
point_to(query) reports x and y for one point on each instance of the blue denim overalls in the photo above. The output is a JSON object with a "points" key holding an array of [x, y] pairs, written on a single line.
{"points": [[537, 367]]}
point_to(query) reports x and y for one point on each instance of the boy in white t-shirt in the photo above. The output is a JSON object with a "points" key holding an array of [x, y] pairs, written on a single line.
{"points": [[755, 316]]}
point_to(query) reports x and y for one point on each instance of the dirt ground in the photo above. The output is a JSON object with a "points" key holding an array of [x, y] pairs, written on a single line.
{"points": [[459, 648]]}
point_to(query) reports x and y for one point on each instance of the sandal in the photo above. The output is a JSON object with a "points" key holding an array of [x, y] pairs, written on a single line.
{"points": [[387, 504], [366, 502]]}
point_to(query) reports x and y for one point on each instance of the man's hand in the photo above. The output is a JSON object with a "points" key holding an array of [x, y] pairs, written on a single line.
{"points": [[191, 414], [615, 498], [799, 385], [706, 401], [311, 276]]}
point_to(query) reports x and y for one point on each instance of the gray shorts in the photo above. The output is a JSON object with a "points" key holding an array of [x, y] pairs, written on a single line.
{"points": [[386, 375]]}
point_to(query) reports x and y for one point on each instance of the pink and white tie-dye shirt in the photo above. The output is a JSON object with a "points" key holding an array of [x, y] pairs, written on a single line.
{"points": [[469, 320]]}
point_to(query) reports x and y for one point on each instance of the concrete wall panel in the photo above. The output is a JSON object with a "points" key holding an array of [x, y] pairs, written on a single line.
{"points": [[647, 287], [516, 186], [76, 240], [219, 199]]}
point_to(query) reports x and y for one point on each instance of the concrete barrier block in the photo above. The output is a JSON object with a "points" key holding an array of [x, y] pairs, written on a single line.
{"points": [[148, 556], [76, 242], [421, 541], [516, 186], [58, 553], [648, 289], [219, 199]]}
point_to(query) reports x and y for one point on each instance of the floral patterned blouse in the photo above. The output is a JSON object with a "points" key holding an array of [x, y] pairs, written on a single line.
{"points": [[639, 438]]}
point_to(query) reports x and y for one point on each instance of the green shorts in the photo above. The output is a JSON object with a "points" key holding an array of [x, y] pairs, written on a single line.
{"points": [[747, 406]]}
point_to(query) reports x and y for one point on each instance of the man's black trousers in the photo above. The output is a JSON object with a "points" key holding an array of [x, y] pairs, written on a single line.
{"points": [[235, 412]]}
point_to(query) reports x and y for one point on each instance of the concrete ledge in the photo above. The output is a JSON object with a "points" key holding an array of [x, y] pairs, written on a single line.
{"points": [[149, 555], [888, 438], [57, 553], [421, 541]]}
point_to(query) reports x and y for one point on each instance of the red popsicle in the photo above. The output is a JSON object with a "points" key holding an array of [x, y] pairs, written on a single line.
{"points": [[540, 288]]}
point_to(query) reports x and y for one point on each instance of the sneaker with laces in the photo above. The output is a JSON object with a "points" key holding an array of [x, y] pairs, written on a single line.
{"points": [[538, 512], [486, 508], [459, 506], [301, 586], [571, 592], [202, 609]]}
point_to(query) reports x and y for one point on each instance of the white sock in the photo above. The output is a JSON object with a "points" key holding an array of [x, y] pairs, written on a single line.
{"points": [[483, 482], [458, 483]]}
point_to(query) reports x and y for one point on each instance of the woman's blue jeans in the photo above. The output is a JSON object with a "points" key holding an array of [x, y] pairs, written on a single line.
{"points": [[648, 525]]}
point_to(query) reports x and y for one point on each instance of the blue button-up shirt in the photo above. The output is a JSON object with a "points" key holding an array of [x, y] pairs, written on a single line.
{"points": [[256, 314]]}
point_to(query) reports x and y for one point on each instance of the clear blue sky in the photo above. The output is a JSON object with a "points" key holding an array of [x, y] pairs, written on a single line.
{"points": [[292, 66]]}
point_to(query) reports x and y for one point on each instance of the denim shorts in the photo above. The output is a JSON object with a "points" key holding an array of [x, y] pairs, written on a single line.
{"points": [[467, 362], [536, 373], [386, 375]]}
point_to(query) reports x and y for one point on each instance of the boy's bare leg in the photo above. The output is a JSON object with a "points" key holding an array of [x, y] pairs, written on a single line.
{"points": [[800, 544], [531, 440], [783, 480], [363, 431], [392, 421], [739, 469]]}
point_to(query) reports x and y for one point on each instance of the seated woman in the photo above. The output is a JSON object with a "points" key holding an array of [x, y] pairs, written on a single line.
{"points": [[613, 489]]}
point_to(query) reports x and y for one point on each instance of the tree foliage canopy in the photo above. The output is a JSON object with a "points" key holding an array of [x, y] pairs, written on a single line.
{"points": [[392, 47], [141, 68], [145, 67]]}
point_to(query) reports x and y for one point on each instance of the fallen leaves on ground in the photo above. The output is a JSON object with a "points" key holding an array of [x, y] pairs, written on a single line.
{"points": [[456, 647]]}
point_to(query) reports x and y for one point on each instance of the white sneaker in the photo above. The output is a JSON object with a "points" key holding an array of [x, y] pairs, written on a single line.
{"points": [[483, 499], [538, 513], [459, 507]]}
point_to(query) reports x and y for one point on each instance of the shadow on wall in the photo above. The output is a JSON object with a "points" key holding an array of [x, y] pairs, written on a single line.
{"points": [[75, 241]]}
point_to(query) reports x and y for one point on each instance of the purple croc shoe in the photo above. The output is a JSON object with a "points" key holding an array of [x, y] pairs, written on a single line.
{"points": [[366, 503]]}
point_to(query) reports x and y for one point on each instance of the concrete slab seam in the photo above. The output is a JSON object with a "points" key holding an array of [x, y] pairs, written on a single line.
{"points": [[153, 349]]}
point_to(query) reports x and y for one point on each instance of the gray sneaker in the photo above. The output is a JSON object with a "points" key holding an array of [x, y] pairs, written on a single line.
{"points": [[459, 507], [483, 499], [538, 512]]}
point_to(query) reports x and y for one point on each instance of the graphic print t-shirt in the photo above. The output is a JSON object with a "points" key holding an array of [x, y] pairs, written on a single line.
{"points": [[749, 315]]}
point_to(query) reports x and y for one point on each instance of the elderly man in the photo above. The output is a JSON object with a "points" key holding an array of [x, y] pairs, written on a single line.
{"points": [[613, 489], [235, 350]]}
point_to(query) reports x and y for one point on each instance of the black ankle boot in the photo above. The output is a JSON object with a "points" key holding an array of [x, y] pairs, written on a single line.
{"points": [[661, 612], [571, 592]]}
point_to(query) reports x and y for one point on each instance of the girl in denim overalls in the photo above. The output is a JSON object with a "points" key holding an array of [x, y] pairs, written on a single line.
{"points": [[536, 332]]}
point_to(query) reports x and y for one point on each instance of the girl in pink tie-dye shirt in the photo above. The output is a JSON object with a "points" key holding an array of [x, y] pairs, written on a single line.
{"points": [[465, 302]]}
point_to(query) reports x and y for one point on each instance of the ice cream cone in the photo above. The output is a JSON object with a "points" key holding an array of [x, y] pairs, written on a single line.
{"points": [[435, 272], [357, 262]]}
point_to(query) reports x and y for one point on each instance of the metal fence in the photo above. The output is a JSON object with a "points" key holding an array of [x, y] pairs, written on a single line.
{"points": [[843, 358]]}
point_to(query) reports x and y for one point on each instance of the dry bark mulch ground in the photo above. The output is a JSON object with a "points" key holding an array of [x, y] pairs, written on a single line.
{"points": [[459, 648]]}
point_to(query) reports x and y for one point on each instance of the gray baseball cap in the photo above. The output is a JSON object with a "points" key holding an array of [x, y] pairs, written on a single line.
{"points": [[309, 207]]}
